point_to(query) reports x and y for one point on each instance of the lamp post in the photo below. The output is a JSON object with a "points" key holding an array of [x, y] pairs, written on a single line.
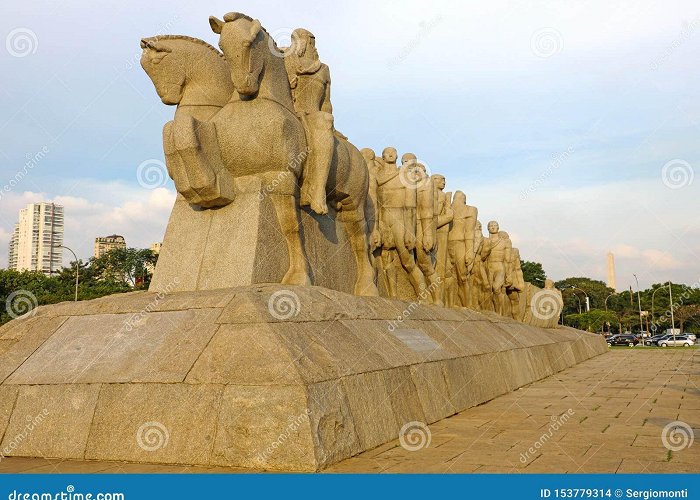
{"points": [[77, 269], [606, 308], [652, 306], [639, 303], [588, 301], [673, 323], [577, 298]]}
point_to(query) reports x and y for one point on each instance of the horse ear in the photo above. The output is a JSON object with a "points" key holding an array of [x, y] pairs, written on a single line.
{"points": [[254, 30], [216, 24]]}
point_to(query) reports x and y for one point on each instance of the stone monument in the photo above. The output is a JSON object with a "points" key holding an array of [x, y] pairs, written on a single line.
{"points": [[272, 336]]}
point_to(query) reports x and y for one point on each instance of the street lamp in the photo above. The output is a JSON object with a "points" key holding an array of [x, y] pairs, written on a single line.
{"points": [[606, 308], [577, 298], [652, 304], [588, 301], [639, 303], [77, 268]]}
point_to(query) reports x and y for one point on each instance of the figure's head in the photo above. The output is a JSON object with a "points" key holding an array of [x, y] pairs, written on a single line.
{"points": [[367, 154], [460, 198], [439, 181], [516, 256], [479, 227], [242, 42], [164, 69], [389, 155], [492, 226], [304, 45], [504, 235], [407, 158]]}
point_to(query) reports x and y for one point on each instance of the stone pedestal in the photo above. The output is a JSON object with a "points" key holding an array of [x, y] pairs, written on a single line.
{"points": [[265, 377]]}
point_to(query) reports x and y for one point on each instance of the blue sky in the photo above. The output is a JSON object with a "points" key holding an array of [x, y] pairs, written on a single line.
{"points": [[555, 118]]}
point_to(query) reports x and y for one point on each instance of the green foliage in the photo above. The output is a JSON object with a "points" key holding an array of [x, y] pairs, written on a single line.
{"points": [[594, 320], [118, 271], [533, 272]]}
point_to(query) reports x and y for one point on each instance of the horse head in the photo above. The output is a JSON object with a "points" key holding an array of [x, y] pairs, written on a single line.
{"points": [[186, 70], [242, 42]]}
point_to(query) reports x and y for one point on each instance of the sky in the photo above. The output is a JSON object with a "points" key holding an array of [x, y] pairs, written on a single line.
{"points": [[575, 125]]}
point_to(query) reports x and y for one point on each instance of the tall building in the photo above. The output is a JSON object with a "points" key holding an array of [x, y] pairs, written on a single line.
{"points": [[104, 244], [36, 240], [612, 280]]}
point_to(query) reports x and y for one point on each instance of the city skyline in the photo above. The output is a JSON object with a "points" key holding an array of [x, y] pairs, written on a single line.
{"points": [[571, 166]]}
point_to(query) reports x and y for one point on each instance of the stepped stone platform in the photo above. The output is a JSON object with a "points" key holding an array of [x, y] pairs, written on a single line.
{"points": [[264, 376]]}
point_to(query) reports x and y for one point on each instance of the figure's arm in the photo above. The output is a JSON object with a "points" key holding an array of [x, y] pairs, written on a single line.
{"points": [[373, 217], [446, 216], [326, 105], [425, 211]]}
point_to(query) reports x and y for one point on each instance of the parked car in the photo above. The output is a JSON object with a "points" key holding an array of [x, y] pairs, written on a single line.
{"points": [[691, 336], [625, 339], [678, 340], [653, 341]]}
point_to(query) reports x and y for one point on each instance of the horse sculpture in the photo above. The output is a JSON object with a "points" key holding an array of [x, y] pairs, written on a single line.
{"points": [[226, 132]]}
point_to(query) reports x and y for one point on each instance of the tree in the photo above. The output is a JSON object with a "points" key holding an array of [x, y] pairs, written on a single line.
{"points": [[596, 290], [533, 272], [685, 312], [131, 266], [593, 320]]}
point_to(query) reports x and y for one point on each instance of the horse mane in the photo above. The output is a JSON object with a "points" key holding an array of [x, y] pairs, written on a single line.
{"points": [[186, 38]]}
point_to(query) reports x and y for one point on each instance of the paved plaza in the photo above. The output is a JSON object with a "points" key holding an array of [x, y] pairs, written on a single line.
{"points": [[607, 414]]}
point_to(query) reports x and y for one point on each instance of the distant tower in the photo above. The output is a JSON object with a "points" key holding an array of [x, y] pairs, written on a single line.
{"points": [[612, 282]]}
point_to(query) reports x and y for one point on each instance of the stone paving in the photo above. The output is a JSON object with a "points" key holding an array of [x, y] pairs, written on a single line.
{"points": [[606, 414]]}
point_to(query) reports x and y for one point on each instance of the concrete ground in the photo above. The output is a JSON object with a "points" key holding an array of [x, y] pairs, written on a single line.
{"points": [[607, 414]]}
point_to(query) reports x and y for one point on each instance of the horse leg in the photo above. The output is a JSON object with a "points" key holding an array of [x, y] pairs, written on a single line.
{"points": [[287, 216], [356, 229], [176, 166]]}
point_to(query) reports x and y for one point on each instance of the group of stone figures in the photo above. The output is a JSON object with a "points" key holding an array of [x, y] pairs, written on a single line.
{"points": [[255, 110]]}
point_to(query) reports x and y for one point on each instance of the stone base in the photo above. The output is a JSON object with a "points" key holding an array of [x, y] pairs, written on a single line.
{"points": [[265, 377]]}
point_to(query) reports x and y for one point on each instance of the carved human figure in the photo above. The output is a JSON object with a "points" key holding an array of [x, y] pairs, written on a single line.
{"points": [[397, 223], [479, 282], [444, 214], [461, 244], [310, 81], [426, 223], [498, 255], [515, 286]]}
